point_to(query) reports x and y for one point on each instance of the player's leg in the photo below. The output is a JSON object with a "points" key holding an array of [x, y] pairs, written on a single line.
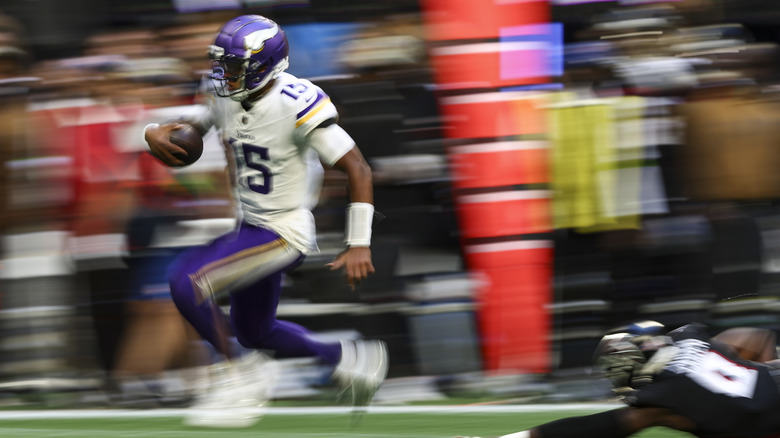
{"points": [[203, 314], [360, 367], [201, 275], [616, 423], [197, 278], [253, 319]]}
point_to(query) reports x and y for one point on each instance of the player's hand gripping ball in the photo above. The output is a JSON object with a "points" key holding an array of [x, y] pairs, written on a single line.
{"points": [[189, 139]]}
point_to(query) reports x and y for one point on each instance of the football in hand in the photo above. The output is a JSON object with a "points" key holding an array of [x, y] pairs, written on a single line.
{"points": [[189, 139]]}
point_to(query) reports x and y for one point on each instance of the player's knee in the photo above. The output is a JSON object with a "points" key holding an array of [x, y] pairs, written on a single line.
{"points": [[251, 337], [245, 340], [178, 288], [182, 292]]}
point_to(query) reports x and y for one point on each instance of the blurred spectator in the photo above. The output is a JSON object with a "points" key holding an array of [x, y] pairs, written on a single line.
{"points": [[156, 343], [143, 340], [731, 137], [39, 325], [188, 39], [14, 90], [132, 43], [112, 195]]}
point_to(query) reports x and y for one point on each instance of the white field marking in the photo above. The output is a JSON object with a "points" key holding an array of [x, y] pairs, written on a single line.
{"points": [[89, 433], [173, 413], [39, 432]]}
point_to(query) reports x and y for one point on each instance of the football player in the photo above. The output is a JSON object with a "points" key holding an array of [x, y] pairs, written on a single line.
{"points": [[685, 381], [276, 129]]}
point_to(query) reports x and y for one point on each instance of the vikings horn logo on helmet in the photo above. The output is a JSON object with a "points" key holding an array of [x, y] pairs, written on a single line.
{"points": [[255, 41]]}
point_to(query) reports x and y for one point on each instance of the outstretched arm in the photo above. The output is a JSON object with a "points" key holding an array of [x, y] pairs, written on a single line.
{"points": [[617, 423]]}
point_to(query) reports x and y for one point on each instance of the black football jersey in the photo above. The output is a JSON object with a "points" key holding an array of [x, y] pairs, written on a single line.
{"points": [[705, 382]]}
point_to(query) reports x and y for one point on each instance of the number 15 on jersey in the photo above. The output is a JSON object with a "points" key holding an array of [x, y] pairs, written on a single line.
{"points": [[254, 157]]}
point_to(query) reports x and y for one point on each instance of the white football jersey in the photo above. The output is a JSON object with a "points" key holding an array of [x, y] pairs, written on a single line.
{"points": [[277, 175]]}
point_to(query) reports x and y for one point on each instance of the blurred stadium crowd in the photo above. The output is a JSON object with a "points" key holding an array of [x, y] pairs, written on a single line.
{"points": [[661, 150]]}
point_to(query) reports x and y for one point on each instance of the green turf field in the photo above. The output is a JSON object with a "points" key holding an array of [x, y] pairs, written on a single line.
{"points": [[412, 423]]}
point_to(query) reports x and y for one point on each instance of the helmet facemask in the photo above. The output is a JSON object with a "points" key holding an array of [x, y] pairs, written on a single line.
{"points": [[629, 355], [620, 359]]}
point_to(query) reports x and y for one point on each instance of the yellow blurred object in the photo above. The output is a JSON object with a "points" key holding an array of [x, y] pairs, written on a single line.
{"points": [[596, 165]]}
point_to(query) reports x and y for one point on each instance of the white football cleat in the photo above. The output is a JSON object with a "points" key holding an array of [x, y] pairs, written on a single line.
{"points": [[237, 393], [361, 370]]}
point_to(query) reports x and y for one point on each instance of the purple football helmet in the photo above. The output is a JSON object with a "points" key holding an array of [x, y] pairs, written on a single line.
{"points": [[249, 51]]}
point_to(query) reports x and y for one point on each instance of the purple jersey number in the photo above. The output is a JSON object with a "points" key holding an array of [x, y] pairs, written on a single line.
{"points": [[294, 90], [253, 159]]}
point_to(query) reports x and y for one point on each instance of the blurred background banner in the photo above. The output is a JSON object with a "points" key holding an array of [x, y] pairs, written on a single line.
{"points": [[544, 170], [319, 48], [478, 47]]}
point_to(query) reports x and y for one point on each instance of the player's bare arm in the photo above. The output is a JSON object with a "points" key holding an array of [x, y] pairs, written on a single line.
{"points": [[356, 259]]}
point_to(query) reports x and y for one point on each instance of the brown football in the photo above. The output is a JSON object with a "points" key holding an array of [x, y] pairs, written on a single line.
{"points": [[189, 139]]}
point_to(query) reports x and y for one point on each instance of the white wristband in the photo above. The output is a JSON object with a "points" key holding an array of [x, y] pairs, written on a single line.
{"points": [[360, 216], [151, 125]]}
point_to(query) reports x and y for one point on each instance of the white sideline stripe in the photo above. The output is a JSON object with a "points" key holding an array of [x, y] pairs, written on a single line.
{"points": [[102, 433], [165, 413], [82, 433]]}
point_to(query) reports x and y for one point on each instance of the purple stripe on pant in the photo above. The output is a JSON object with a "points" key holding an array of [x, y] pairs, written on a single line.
{"points": [[253, 305]]}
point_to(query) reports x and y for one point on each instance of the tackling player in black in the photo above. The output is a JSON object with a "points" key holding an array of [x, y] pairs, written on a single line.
{"points": [[722, 386]]}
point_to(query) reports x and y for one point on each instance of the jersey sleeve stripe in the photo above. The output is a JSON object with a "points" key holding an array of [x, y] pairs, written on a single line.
{"points": [[312, 109], [317, 100]]}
